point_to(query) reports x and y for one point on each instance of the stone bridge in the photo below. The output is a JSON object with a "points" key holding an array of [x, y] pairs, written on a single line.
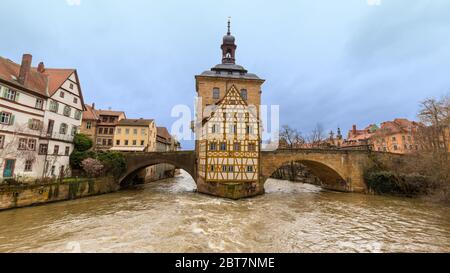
{"points": [[340, 170], [138, 161]]}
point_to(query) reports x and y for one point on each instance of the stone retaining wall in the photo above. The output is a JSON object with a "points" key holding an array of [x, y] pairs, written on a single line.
{"points": [[29, 195]]}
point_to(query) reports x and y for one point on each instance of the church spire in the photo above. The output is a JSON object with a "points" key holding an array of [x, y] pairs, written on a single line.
{"points": [[228, 46]]}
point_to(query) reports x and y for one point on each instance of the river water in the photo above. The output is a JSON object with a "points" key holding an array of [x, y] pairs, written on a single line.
{"points": [[167, 216]]}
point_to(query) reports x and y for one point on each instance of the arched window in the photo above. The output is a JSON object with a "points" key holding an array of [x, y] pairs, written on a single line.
{"points": [[228, 54]]}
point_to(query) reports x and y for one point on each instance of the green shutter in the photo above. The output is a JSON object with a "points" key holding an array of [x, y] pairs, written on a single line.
{"points": [[11, 120], [2, 92], [17, 96], [30, 123]]}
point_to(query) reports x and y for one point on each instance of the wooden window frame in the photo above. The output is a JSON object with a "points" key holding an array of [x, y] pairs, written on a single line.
{"points": [[23, 144], [56, 150], [28, 163], [42, 150], [9, 118]]}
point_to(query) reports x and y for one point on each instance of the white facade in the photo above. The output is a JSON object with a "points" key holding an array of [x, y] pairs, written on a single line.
{"points": [[22, 109], [29, 147]]}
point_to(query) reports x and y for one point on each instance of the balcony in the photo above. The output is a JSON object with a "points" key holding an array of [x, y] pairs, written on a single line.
{"points": [[58, 136]]}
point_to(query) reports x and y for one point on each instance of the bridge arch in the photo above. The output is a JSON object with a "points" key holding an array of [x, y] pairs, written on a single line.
{"points": [[139, 161], [337, 170], [329, 177]]}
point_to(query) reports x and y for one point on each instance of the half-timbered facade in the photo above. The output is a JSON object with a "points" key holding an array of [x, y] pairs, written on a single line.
{"points": [[229, 142], [227, 127]]}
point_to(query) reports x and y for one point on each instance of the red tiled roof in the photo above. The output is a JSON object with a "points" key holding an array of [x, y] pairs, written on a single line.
{"points": [[164, 133], [90, 113], [46, 83], [56, 78], [36, 82], [109, 113], [399, 125]]}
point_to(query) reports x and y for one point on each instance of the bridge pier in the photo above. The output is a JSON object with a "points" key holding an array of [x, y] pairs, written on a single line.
{"points": [[231, 190], [341, 170]]}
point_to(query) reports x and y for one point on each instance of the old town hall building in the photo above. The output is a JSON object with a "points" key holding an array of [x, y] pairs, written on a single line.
{"points": [[228, 131]]}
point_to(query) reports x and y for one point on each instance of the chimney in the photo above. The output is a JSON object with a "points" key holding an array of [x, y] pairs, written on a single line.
{"points": [[354, 130], [41, 67], [93, 105], [25, 68]]}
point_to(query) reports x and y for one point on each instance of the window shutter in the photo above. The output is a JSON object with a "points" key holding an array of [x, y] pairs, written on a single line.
{"points": [[17, 96], [2, 92], [11, 120], [30, 123]]}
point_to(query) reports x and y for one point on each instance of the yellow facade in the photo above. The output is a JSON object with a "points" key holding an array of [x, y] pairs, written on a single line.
{"points": [[137, 137]]}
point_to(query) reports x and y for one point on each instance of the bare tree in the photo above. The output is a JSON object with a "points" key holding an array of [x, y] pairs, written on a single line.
{"points": [[317, 136], [435, 114], [290, 137], [433, 158]]}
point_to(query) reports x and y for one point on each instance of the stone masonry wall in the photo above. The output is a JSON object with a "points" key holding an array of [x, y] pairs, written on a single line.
{"points": [[29, 195]]}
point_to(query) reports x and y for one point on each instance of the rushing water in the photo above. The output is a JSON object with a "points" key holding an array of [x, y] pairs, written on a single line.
{"points": [[167, 216]]}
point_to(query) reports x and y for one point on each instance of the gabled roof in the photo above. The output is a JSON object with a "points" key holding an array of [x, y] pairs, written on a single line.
{"points": [[45, 83], [56, 78], [163, 133], [90, 113]]}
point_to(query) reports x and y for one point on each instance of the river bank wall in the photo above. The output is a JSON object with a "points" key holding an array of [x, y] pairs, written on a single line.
{"points": [[31, 195]]}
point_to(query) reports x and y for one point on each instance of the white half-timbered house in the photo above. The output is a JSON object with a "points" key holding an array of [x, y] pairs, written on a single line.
{"points": [[40, 112]]}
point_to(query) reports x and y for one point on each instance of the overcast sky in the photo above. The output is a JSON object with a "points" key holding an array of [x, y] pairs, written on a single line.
{"points": [[336, 63]]}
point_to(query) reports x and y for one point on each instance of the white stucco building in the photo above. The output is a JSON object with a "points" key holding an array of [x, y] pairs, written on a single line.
{"points": [[40, 112]]}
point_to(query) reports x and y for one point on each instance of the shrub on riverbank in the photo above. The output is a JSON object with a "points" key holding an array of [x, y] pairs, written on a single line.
{"points": [[93, 167], [113, 162], [82, 143], [388, 182]]}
